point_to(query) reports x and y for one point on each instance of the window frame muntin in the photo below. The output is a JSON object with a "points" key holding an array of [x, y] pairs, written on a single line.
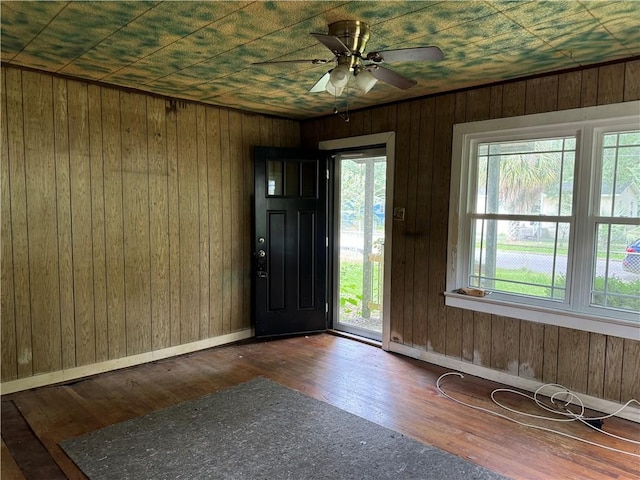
{"points": [[584, 121]]}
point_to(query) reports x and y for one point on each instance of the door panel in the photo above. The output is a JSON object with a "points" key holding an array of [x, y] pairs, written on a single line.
{"points": [[290, 228]]}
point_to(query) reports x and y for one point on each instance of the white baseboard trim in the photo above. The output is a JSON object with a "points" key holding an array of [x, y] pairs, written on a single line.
{"points": [[594, 403], [108, 365]]}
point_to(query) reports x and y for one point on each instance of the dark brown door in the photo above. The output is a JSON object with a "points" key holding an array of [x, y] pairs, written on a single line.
{"points": [[290, 241]]}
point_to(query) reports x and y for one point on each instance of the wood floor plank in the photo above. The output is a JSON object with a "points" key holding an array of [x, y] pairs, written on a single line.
{"points": [[394, 391], [25, 447], [10, 469]]}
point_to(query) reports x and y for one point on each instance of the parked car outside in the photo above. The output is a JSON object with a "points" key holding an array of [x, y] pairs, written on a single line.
{"points": [[631, 262]]}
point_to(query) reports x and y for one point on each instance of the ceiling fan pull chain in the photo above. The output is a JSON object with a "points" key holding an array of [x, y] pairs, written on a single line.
{"points": [[345, 114]]}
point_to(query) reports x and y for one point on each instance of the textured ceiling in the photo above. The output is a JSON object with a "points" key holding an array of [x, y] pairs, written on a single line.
{"points": [[203, 50]]}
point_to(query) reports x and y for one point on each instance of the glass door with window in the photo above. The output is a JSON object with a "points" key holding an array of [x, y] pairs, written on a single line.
{"points": [[359, 237]]}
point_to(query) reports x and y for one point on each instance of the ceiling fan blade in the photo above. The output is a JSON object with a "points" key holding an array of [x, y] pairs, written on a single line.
{"points": [[391, 77], [321, 84], [417, 54], [315, 61], [333, 43]]}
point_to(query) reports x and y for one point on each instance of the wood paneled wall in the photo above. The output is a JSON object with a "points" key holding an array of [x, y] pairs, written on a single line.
{"points": [[126, 225], [126, 221], [599, 365]]}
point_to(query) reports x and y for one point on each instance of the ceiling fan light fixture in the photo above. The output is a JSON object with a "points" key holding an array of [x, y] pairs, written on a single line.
{"points": [[365, 81], [340, 76], [333, 90]]}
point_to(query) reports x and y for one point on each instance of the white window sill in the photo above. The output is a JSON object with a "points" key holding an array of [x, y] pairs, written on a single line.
{"points": [[534, 313]]}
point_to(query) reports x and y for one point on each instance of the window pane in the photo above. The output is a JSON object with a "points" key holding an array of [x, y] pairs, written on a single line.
{"points": [[274, 177], [309, 179], [526, 258], [528, 177], [616, 283], [620, 175], [292, 179]]}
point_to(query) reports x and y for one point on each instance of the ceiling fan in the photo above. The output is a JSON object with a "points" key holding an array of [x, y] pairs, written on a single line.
{"points": [[347, 40]]}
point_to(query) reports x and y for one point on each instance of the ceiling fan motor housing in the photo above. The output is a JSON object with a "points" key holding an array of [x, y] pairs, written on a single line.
{"points": [[354, 34]]}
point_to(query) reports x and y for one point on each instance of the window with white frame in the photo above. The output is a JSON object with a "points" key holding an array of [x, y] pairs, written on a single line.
{"points": [[544, 218]]}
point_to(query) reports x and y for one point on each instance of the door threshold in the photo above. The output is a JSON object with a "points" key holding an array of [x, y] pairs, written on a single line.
{"points": [[357, 338]]}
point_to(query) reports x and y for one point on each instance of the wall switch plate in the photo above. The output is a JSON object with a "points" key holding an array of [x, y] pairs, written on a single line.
{"points": [[398, 213]]}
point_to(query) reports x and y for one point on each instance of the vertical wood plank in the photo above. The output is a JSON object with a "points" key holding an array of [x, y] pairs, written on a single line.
{"points": [[467, 335], [356, 124], [135, 193], [482, 339], [410, 220], [296, 138], [632, 81], [367, 122], [463, 101], [265, 131], [63, 204], [495, 102], [216, 245], [444, 119], [238, 223], [114, 222], [595, 378], [614, 356], [19, 227], [478, 104], [531, 346], [98, 222], [453, 346], [203, 209], [389, 121], [294, 133], [332, 127], [573, 359], [250, 138], [541, 94], [398, 258], [630, 386], [513, 99], [341, 127], [379, 120], [550, 354], [276, 133], [171, 121], [227, 220], [82, 236], [611, 83], [159, 225], [309, 133], [569, 90], [423, 232], [8, 357], [460, 111], [282, 127], [589, 87], [189, 224], [505, 341]]}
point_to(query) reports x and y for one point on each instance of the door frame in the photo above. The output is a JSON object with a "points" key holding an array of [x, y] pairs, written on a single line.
{"points": [[388, 139]]}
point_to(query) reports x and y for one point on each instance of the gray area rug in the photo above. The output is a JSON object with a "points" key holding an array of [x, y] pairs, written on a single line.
{"points": [[260, 430]]}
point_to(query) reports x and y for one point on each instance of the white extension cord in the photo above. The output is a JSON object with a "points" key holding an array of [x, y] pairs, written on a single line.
{"points": [[571, 416]]}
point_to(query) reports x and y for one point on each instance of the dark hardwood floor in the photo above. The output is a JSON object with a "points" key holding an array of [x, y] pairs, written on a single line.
{"points": [[391, 390]]}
